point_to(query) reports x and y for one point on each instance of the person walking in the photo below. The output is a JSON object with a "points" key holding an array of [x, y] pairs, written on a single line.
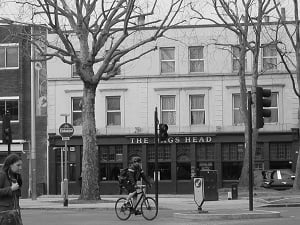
{"points": [[10, 190]]}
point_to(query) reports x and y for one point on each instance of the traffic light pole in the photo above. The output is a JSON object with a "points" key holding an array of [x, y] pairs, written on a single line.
{"points": [[250, 151], [156, 154]]}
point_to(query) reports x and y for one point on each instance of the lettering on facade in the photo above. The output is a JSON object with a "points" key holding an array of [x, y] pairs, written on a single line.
{"points": [[170, 140]]}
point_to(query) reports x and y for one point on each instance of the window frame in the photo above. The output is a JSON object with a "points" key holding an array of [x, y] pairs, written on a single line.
{"points": [[167, 60], [236, 58], [75, 111], [196, 60], [197, 110], [168, 110], [13, 98], [236, 110], [10, 45], [113, 111], [272, 108], [264, 57]]}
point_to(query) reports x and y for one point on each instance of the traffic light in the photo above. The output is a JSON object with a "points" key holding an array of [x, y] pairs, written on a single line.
{"points": [[262, 101], [163, 132], [6, 130]]}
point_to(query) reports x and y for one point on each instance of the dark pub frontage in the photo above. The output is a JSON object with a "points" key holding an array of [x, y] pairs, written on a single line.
{"points": [[180, 158]]}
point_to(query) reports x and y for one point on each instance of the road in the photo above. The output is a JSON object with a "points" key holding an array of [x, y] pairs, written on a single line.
{"points": [[290, 216]]}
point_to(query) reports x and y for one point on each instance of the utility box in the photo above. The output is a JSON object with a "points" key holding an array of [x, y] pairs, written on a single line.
{"points": [[210, 184]]}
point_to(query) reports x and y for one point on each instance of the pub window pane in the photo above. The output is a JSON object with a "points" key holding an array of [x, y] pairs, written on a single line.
{"points": [[164, 169]]}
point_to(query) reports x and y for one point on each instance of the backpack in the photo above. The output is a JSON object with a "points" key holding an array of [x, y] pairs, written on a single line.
{"points": [[123, 177]]}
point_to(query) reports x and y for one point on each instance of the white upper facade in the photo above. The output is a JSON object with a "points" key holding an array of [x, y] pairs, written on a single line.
{"points": [[192, 81]]}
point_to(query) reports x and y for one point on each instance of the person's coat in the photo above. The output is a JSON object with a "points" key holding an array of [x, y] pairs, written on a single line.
{"points": [[8, 198]]}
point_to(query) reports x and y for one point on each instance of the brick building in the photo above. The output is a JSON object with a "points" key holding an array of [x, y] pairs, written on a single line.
{"points": [[15, 97]]}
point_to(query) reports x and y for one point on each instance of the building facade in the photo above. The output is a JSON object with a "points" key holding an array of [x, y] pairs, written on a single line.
{"points": [[194, 85], [15, 98]]}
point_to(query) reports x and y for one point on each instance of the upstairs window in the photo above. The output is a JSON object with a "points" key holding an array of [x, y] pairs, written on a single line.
{"points": [[167, 60], [113, 111], [236, 59], [273, 108], [9, 56], [269, 58], [196, 59], [77, 111], [168, 110], [237, 116], [197, 111]]}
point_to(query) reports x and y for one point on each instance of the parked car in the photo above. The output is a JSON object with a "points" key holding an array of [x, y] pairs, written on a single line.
{"points": [[278, 179]]}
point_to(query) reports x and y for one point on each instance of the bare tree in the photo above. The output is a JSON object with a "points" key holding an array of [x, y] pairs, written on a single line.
{"points": [[101, 30], [244, 19], [291, 60]]}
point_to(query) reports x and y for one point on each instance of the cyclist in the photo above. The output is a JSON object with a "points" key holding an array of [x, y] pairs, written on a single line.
{"points": [[135, 173]]}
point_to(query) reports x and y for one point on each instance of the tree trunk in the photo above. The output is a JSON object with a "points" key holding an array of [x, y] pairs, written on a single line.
{"points": [[90, 165], [296, 185]]}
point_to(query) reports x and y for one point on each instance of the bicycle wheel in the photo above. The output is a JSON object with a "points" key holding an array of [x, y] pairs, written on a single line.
{"points": [[122, 210], [149, 208]]}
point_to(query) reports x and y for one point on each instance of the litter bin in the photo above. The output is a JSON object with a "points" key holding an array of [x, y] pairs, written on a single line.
{"points": [[234, 191]]}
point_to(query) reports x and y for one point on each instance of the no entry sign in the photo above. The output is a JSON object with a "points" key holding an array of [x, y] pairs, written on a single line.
{"points": [[66, 131]]}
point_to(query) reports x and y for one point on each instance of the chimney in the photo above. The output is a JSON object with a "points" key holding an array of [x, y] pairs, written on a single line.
{"points": [[267, 18], [141, 20], [283, 14]]}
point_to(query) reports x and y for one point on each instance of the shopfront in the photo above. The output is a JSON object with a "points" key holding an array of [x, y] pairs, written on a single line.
{"points": [[179, 159]]}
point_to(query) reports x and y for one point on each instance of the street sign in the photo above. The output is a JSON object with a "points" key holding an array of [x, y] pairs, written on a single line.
{"points": [[66, 131], [199, 191]]}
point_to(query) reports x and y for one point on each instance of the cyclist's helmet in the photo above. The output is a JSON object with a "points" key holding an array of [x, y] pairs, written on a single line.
{"points": [[136, 159]]}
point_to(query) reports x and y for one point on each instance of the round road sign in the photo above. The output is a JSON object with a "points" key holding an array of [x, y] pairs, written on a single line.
{"points": [[66, 130]]}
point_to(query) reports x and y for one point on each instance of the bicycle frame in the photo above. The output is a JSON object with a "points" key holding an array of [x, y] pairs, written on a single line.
{"points": [[142, 196]]}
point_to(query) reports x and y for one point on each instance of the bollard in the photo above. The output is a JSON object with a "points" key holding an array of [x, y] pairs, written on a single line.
{"points": [[229, 195]]}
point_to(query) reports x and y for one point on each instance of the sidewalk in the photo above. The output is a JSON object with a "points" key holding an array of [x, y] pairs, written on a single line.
{"points": [[183, 206]]}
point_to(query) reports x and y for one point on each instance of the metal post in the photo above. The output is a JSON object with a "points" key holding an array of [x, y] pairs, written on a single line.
{"points": [[156, 155], [66, 201], [250, 152], [33, 114], [8, 148]]}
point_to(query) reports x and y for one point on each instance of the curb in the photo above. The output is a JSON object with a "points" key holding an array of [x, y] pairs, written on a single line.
{"points": [[281, 205], [257, 214]]}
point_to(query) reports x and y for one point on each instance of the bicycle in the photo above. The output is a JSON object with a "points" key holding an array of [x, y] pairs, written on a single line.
{"points": [[148, 206]]}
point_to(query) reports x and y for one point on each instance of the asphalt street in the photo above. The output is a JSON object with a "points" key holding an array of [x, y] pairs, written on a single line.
{"points": [[289, 216]]}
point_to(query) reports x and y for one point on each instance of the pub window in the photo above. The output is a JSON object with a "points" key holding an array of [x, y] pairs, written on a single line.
{"points": [[11, 105], [205, 152], [9, 56], [111, 158], [259, 153], [232, 152], [197, 110], [164, 161], [280, 151], [168, 109], [113, 111], [77, 111]]}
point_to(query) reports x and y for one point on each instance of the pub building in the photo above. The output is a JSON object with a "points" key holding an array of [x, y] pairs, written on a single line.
{"points": [[196, 88], [180, 158]]}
